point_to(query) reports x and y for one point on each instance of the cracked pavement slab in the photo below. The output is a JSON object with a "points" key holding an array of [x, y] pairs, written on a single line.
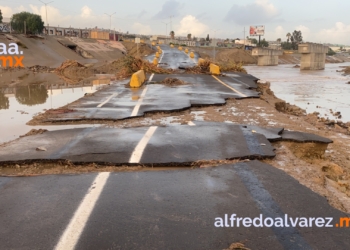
{"points": [[116, 102], [151, 145]]}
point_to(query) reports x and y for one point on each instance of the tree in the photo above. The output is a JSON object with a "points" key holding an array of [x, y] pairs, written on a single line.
{"points": [[34, 23], [31, 95], [264, 43], [254, 41], [330, 52], [0, 16], [172, 35], [288, 37], [189, 36], [286, 46], [296, 39], [4, 101], [207, 39], [279, 40], [194, 38]]}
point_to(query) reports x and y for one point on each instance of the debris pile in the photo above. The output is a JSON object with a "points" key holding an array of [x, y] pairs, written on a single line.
{"points": [[204, 67], [130, 65], [69, 64], [35, 132], [38, 68], [232, 67], [172, 82]]}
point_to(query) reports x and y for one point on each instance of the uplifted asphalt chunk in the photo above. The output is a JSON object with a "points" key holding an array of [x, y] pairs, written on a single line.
{"points": [[303, 137], [247, 80], [275, 134], [144, 145]]}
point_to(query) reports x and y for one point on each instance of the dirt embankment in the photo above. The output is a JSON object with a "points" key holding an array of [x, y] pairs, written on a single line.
{"points": [[143, 49], [227, 55]]}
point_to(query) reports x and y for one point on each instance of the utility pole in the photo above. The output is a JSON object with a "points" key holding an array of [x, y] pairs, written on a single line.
{"points": [[110, 20], [166, 31], [244, 37], [171, 23], [25, 28], [215, 44], [47, 24]]}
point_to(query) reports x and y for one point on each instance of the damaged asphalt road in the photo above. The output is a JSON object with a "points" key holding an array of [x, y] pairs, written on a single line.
{"points": [[117, 102], [166, 209], [172, 58], [181, 144], [160, 209]]}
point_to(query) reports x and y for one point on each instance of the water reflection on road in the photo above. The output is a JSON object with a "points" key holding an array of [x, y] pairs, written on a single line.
{"points": [[326, 89], [18, 104]]}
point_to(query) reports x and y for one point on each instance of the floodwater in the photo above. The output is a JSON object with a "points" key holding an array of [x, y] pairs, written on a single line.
{"points": [[314, 91], [19, 104]]}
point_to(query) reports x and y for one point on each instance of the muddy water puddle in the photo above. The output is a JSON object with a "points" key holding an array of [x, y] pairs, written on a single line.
{"points": [[315, 91], [18, 104]]}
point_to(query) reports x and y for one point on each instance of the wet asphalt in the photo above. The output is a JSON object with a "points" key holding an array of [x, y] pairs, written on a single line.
{"points": [[162, 209]]}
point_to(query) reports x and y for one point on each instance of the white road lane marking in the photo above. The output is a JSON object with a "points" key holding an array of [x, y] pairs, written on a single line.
{"points": [[108, 99], [138, 105], [243, 95], [138, 151], [143, 94], [151, 77], [191, 123], [76, 225], [161, 58]]}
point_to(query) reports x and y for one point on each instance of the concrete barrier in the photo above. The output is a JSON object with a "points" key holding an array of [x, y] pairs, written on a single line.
{"points": [[137, 79], [172, 46], [160, 51], [157, 54], [267, 57], [186, 51], [180, 48], [214, 69], [313, 56], [155, 61], [192, 55]]}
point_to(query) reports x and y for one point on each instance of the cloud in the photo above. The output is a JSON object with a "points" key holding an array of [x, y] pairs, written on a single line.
{"points": [[190, 24], [259, 12], [169, 8], [140, 28], [142, 13], [54, 17], [337, 34], [305, 31], [279, 31], [7, 12], [86, 12]]}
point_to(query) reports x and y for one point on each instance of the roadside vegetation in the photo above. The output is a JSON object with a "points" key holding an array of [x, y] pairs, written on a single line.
{"points": [[27, 22]]}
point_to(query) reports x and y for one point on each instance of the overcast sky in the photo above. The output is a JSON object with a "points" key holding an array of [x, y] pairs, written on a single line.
{"points": [[319, 21]]}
